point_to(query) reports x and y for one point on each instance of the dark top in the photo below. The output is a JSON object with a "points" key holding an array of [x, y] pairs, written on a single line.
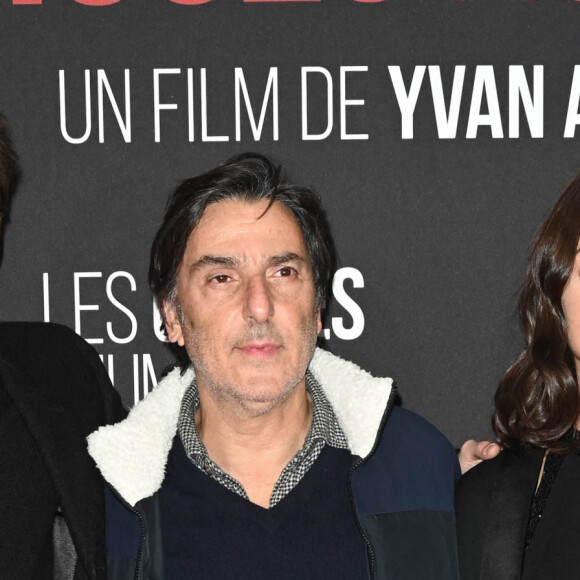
{"points": [[550, 471], [210, 531], [29, 501], [54, 392], [494, 502]]}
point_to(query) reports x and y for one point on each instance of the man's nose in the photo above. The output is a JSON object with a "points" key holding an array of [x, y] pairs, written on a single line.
{"points": [[258, 304]]}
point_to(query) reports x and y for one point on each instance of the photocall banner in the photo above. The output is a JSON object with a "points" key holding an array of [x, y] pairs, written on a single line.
{"points": [[438, 134]]}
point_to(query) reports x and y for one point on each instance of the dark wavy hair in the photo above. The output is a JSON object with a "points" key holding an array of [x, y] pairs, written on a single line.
{"points": [[8, 167], [248, 177], [538, 402]]}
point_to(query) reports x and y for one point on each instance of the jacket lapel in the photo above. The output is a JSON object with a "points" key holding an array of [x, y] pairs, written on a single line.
{"points": [[509, 510], [132, 454], [358, 399]]}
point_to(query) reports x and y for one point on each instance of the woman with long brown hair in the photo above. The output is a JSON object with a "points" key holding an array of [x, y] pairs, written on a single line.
{"points": [[518, 515]]}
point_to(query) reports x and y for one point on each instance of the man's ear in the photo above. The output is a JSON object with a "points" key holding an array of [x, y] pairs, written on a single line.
{"points": [[172, 324], [319, 320]]}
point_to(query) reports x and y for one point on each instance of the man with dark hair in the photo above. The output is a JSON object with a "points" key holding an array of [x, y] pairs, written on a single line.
{"points": [[264, 457], [53, 392]]}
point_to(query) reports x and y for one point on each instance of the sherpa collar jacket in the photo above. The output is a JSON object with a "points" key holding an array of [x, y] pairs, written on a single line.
{"points": [[402, 481]]}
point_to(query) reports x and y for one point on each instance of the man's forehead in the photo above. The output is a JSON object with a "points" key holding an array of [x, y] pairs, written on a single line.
{"points": [[234, 222]]}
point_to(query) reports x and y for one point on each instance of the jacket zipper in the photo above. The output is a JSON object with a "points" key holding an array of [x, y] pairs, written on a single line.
{"points": [[142, 540], [384, 419]]}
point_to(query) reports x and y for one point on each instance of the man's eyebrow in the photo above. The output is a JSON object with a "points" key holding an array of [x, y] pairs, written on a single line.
{"points": [[231, 262], [284, 258], [215, 261]]}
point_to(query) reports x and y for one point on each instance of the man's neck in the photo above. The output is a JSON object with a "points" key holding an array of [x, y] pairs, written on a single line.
{"points": [[255, 449]]}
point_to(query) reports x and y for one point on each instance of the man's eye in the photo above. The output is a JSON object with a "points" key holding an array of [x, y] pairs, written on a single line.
{"points": [[220, 279], [286, 271]]}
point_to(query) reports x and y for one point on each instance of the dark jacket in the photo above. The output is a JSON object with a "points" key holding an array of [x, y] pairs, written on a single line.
{"points": [[62, 392], [493, 508], [402, 481]]}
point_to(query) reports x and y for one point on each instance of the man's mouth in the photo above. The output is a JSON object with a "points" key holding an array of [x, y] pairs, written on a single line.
{"points": [[259, 348]]}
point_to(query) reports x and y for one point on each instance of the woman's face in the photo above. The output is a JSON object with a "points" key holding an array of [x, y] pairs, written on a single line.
{"points": [[571, 308]]}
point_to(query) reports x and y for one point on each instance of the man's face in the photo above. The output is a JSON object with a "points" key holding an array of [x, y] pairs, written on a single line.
{"points": [[246, 293]]}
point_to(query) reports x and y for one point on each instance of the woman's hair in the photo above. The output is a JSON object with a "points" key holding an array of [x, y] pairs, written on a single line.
{"points": [[537, 401]]}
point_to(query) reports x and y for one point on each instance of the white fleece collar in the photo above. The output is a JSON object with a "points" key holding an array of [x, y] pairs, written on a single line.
{"points": [[132, 454]]}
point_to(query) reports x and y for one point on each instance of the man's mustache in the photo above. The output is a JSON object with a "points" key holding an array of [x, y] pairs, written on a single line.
{"points": [[259, 332]]}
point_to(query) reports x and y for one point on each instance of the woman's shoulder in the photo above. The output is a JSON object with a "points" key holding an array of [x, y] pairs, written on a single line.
{"points": [[474, 488], [491, 501], [482, 478]]}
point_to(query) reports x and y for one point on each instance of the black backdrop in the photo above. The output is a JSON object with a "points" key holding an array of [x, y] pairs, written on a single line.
{"points": [[432, 221]]}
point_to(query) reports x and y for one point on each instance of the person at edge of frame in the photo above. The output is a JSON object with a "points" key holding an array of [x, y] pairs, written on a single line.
{"points": [[260, 455], [53, 392], [518, 515]]}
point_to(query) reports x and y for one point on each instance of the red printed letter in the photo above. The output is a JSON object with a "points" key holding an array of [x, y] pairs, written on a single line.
{"points": [[281, 0], [97, 2]]}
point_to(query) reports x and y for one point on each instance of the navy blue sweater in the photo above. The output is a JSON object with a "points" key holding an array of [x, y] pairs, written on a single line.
{"points": [[212, 532]]}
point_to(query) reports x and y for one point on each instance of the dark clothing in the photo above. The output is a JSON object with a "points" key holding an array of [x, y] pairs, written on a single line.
{"points": [[404, 503], [493, 509], [29, 500], [400, 485], [550, 471], [53, 392], [208, 530]]}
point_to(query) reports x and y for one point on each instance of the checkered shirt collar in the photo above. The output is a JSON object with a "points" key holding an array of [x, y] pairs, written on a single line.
{"points": [[324, 430], [324, 425]]}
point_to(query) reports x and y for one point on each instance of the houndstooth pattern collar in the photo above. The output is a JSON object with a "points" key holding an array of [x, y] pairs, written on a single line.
{"points": [[324, 430]]}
